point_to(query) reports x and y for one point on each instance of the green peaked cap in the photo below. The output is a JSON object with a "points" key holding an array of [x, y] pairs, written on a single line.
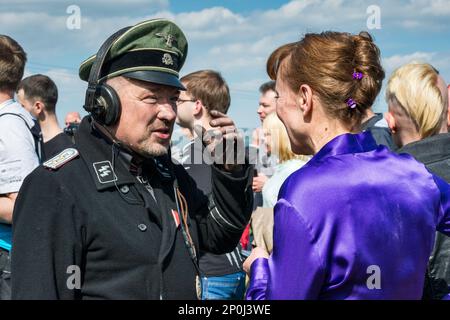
{"points": [[153, 51]]}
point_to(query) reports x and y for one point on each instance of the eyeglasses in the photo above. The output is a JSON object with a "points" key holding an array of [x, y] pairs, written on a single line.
{"points": [[181, 101]]}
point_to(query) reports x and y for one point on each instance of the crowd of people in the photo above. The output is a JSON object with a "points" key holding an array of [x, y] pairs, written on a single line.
{"points": [[329, 200]]}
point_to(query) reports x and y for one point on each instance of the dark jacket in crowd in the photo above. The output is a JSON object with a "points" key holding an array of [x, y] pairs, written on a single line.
{"points": [[92, 217], [380, 131], [211, 265], [57, 144], [434, 153]]}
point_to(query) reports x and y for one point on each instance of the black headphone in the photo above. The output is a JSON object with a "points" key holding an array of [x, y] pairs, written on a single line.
{"points": [[102, 101]]}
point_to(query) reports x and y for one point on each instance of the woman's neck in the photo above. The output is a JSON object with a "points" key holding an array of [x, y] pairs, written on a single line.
{"points": [[325, 132]]}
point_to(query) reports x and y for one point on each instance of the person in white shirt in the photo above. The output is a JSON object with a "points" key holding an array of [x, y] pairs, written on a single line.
{"points": [[277, 143], [18, 155]]}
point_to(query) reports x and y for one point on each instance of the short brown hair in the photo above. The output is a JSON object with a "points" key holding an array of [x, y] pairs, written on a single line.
{"points": [[267, 86], [40, 87], [210, 88], [326, 62], [12, 63]]}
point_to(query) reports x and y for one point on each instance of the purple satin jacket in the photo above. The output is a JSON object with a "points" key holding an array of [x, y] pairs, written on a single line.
{"points": [[356, 222]]}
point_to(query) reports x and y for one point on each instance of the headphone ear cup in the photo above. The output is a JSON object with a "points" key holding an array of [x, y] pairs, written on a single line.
{"points": [[107, 110]]}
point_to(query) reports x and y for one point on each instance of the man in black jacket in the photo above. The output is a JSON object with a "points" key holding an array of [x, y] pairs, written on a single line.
{"points": [[207, 93], [113, 217], [417, 98]]}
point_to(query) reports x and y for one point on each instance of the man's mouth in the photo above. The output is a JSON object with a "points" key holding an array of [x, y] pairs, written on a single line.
{"points": [[162, 133]]}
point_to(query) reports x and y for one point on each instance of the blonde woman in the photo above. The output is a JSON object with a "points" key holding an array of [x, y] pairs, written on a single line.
{"points": [[277, 142], [418, 111]]}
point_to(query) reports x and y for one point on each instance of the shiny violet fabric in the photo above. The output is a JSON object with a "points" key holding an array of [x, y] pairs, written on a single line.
{"points": [[355, 207]]}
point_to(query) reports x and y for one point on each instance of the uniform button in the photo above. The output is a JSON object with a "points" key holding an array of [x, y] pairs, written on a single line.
{"points": [[124, 189], [142, 227]]}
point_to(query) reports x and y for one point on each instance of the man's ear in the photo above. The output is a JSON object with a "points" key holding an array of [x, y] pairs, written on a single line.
{"points": [[305, 99], [390, 119], [38, 107], [198, 106]]}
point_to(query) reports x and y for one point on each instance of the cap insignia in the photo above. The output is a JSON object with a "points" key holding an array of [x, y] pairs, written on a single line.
{"points": [[170, 39], [167, 59]]}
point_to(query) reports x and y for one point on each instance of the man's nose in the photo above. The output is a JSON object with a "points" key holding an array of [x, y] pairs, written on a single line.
{"points": [[260, 110], [167, 111]]}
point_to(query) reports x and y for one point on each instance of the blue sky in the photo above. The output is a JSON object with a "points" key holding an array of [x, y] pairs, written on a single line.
{"points": [[234, 37]]}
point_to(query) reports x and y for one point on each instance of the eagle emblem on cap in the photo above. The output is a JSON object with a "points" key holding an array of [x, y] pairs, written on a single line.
{"points": [[167, 59], [170, 39]]}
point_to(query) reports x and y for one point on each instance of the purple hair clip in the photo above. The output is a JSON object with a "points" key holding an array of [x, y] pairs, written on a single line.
{"points": [[357, 75], [351, 103]]}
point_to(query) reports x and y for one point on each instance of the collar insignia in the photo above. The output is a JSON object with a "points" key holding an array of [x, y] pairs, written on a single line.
{"points": [[105, 172]]}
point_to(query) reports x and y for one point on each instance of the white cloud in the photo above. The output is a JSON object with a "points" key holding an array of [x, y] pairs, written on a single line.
{"points": [[215, 28], [256, 47], [21, 22], [289, 10], [97, 8], [206, 24], [396, 61], [234, 43], [218, 16], [89, 2], [410, 24], [438, 8]]}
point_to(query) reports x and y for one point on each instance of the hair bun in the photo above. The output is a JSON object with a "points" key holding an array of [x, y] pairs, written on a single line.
{"points": [[367, 60], [329, 62], [366, 35]]}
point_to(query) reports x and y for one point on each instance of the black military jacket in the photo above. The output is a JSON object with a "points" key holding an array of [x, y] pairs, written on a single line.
{"points": [[434, 153], [92, 218]]}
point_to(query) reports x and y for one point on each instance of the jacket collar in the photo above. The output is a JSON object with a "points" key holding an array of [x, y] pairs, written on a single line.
{"points": [[108, 163], [347, 143], [430, 149], [372, 121], [101, 156], [109, 168]]}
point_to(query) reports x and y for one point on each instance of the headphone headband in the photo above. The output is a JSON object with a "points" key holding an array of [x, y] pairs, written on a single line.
{"points": [[94, 74]]}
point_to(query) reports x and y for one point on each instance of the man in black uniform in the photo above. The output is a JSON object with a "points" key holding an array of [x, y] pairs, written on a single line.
{"points": [[113, 217]]}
